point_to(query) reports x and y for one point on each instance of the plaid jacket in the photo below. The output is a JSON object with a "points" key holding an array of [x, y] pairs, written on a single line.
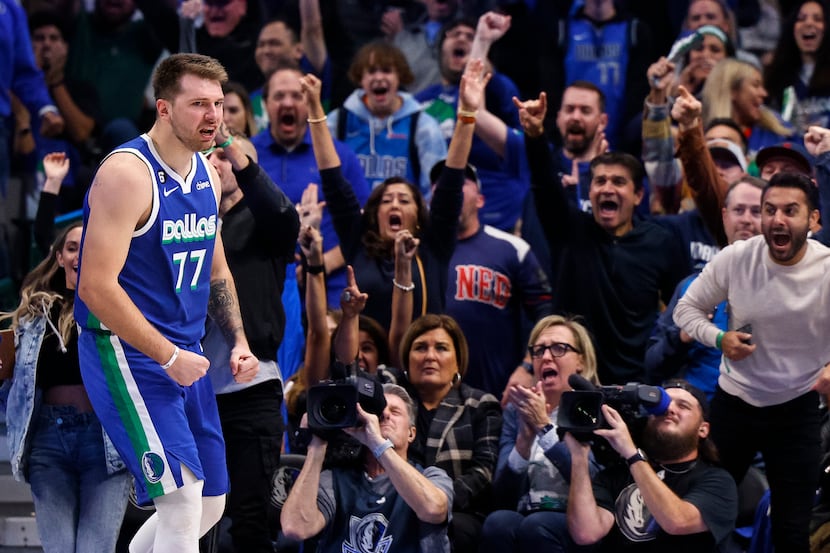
{"points": [[463, 440]]}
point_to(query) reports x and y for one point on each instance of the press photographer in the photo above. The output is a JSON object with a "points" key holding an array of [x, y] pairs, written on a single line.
{"points": [[668, 496], [384, 501]]}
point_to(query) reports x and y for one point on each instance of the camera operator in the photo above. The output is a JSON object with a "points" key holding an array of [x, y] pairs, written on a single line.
{"points": [[670, 497], [384, 501]]}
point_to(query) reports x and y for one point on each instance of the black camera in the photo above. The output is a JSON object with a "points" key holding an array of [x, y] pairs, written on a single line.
{"points": [[333, 404], [580, 410]]}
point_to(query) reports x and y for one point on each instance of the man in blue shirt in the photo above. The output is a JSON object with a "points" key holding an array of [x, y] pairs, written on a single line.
{"points": [[494, 279], [20, 75], [286, 154]]}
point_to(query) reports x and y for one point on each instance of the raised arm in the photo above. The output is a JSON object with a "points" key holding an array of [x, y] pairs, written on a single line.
{"points": [[447, 198], [55, 167], [548, 194], [311, 34], [347, 336], [318, 341], [701, 173], [406, 247], [491, 27], [470, 100], [321, 140], [817, 142], [343, 203], [664, 171]]}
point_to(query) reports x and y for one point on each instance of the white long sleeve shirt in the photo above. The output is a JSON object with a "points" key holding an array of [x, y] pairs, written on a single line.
{"points": [[787, 306]]}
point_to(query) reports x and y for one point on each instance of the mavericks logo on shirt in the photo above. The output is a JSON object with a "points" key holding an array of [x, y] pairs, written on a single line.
{"points": [[368, 535]]}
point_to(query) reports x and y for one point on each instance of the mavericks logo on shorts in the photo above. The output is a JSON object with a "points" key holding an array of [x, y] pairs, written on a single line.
{"points": [[153, 466]]}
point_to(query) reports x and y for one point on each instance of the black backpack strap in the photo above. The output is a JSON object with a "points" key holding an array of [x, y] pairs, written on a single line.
{"points": [[342, 115], [413, 149]]}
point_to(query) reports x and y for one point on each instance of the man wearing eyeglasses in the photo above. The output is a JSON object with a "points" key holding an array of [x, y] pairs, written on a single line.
{"points": [[766, 397]]}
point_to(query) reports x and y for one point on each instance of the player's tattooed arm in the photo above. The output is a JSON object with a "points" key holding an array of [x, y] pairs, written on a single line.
{"points": [[223, 308]]}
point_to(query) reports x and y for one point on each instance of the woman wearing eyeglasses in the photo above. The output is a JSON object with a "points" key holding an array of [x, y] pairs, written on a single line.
{"points": [[527, 483]]}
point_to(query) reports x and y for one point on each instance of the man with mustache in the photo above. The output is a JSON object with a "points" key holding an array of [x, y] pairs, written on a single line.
{"points": [[771, 373], [581, 115], [668, 496]]}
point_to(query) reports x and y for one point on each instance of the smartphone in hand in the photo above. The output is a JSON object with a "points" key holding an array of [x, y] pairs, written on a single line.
{"points": [[747, 328]]}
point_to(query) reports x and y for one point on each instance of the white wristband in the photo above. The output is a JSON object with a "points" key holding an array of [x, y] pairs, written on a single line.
{"points": [[378, 451], [172, 359]]}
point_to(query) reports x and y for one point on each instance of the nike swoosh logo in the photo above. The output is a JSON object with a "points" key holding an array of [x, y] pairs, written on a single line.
{"points": [[168, 192]]}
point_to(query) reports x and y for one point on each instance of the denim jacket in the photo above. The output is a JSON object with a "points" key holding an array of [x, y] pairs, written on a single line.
{"points": [[20, 399]]}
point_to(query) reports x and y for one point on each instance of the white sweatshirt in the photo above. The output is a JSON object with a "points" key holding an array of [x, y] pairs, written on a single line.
{"points": [[787, 306]]}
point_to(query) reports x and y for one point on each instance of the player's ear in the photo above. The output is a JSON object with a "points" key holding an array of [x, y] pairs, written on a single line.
{"points": [[163, 107]]}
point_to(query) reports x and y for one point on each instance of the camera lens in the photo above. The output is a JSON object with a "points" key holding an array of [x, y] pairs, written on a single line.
{"points": [[333, 410]]}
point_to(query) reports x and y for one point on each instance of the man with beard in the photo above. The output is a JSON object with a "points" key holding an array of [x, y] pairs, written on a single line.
{"points": [[581, 115], [668, 496], [775, 354], [672, 351], [152, 269], [279, 42]]}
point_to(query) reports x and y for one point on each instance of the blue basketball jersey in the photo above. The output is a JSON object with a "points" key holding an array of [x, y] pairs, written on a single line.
{"points": [[167, 270]]}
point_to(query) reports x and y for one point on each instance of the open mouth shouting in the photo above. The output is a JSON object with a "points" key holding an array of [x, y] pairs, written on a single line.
{"points": [[780, 242], [575, 129], [379, 92], [809, 39], [607, 207], [549, 374], [287, 121], [395, 222]]}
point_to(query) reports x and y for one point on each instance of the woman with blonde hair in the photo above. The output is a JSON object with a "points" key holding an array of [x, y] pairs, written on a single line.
{"points": [[735, 90], [532, 489], [56, 442]]}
